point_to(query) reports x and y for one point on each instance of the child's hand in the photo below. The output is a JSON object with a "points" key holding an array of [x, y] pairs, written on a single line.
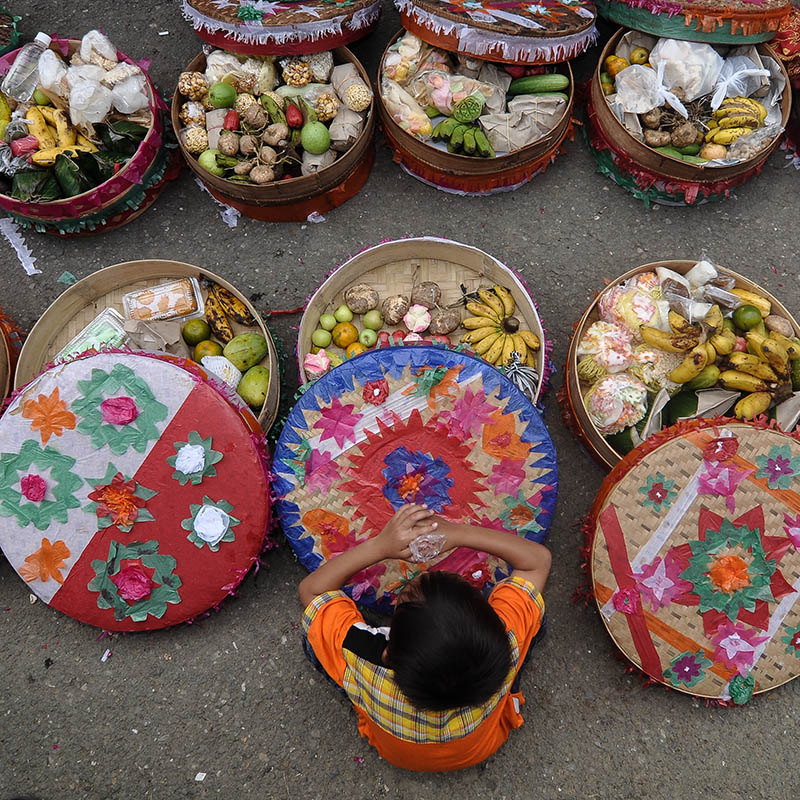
{"points": [[408, 522]]}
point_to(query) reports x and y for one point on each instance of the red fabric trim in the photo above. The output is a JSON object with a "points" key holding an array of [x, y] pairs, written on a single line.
{"points": [[621, 566]]}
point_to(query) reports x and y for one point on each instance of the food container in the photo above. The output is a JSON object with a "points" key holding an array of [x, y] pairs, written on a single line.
{"points": [[395, 267], [117, 201], [292, 199], [571, 394], [652, 176], [82, 302], [106, 330], [10, 345], [738, 22], [281, 29], [173, 300], [691, 544]]}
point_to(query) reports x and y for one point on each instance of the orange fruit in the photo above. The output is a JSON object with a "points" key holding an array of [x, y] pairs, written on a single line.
{"points": [[206, 348], [344, 333], [355, 349]]}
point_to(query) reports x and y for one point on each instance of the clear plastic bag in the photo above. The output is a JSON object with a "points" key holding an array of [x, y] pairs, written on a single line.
{"points": [[409, 56], [85, 72], [750, 145], [692, 67], [96, 42], [405, 110], [129, 96], [641, 89], [53, 73], [89, 102], [740, 76], [443, 90]]}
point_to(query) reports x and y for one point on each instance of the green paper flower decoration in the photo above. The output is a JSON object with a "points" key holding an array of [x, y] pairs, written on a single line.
{"points": [[136, 434], [520, 515], [427, 379], [249, 14], [659, 492], [741, 688], [210, 457], [792, 641], [687, 669], [164, 583], [211, 523], [119, 500], [779, 467], [41, 514]]}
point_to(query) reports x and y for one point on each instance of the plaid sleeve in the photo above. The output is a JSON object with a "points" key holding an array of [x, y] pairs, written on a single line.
{"points": [[521, 606], [326, 622]]}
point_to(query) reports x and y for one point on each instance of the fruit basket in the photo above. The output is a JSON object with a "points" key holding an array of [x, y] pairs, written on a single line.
{"points": [[282, 29], [288, 166], [70, 200], [661, 172], [10, 345], [609, 346], [515, 132], [116, 292], [429, 279]]}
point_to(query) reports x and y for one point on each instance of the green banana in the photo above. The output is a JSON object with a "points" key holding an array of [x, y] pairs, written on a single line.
{"points": [[457, 139], [470, 144], [273, 109], [484, 148]]}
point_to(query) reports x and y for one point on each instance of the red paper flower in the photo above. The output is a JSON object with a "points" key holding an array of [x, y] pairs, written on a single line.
{"points": [[33, 488], [627, 601], [375, 392], [133, 583], [117, 500], [722, 449], [118, 410]]}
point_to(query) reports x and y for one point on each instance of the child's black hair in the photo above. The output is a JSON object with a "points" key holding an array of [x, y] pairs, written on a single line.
{"points": [[447, 646]]}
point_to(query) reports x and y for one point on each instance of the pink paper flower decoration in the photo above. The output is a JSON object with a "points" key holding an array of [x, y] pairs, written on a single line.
{"points": [[33, 488], [321, 471], [507, 476], [722, 479], [736, 646], [366, 579], [338, 422], [660, 583], [118, 410], [470, 413], [627, 601], [792, 528], [133, 583]]}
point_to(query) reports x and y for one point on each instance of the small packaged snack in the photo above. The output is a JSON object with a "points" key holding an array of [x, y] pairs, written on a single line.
{"points": [[105, 330], [178, 298]]}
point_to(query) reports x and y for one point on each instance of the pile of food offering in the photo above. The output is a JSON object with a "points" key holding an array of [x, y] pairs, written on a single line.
{"points": [[259, 119], [364, 321], [86, 120], [468, 106], [668, 347], [702, 104], [187, 318]]}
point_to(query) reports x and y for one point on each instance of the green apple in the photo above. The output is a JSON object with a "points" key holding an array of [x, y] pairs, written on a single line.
{"points": [[368, 337], [321, 337], [222, 95], [343, 314], [40, 98], [327, 322], [373, 320], [208, 161]]}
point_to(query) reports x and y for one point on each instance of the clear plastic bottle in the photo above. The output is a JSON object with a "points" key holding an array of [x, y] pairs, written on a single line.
{"points": [[23, 77]]}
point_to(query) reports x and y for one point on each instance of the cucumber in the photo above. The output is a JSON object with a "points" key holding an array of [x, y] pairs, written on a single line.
{"points": [[538, 84], [694, 160], [689, 150], [668, 151]]}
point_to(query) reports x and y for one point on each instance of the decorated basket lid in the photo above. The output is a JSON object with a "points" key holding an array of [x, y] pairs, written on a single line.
{"points": [[414, 424], [696, 558], [295, 27], [512, 32], [133, 494], [733, 22]]}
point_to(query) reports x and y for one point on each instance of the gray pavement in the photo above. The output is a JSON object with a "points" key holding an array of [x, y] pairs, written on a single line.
{"points": [[233, 697]]}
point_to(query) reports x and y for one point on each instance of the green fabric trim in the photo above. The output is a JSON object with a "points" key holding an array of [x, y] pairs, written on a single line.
{"points": [[194, 509], [211, 457], [147, 553], [142, 515], [118, 438], [42, 514], [675, 27]]}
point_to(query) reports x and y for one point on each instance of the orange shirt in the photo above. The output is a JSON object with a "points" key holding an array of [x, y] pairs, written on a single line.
{"points": [[403, 735]]}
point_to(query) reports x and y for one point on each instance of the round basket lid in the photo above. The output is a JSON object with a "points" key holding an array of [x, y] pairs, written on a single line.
{"points": [[516, 33], [132, 492], [695, 561], [412, 424], [263, 27]]}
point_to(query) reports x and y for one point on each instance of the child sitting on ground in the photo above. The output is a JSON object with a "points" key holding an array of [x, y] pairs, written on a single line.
{"points": [[438, 689]]}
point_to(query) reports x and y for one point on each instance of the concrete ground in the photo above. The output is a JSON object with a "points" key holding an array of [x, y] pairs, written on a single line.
{"points": [[233, 698]]}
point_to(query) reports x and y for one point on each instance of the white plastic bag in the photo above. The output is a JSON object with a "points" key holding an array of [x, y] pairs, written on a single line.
{"points": [[739, 77], [219, 64], [129, 95], [52, 73], [96, 42], [89, 102], [641, 89], [692, 67], [86, 72]]}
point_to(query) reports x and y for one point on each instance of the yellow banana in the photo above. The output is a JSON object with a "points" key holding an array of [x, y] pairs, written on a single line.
{"points": [[471, 323], [777, 357], [752, 405], [64, 131], [530, 338], [496, 350], [479, 333], [754, 342], [507, 299], [484, 344], [482, 310], [234, 307], [724, 342], [714, 319], [520, 346], [741, 382], [680, 324], [791, 346], [217, 321], [493, 301], [712, 353], [748, 102], [508, 349], [748, 120], [728, 136], [711, 124], [87, 143], [752, 365], [731, 110], [669, 342], [530, 361], [691, 366], [753, 299]]}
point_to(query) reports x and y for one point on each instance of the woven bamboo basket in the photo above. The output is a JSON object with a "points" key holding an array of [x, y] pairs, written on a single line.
{"points": [[394, 267], [83, 301], [664, 166], [572, 397], [5, 367], [119, 199], [292, 199], [467, 174]]}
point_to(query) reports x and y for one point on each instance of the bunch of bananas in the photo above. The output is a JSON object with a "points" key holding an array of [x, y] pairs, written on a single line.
{"points": [[460, 137], [222, 304], [737, 116], [494, 331]]}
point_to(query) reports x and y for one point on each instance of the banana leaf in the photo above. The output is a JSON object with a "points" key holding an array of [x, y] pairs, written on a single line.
{"points": [[36, 186], [73, 177], [107, 163], [122, 136]]}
